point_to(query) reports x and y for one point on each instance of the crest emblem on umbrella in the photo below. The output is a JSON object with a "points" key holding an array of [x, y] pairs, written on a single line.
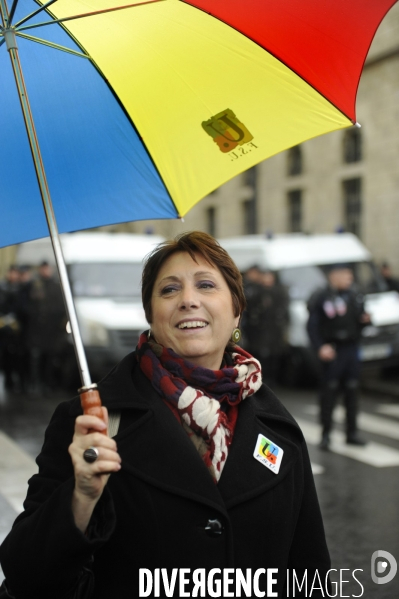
{"points": [[227, 131]]}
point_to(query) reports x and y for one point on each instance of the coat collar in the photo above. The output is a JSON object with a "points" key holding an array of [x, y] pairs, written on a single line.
{"points": [[154, 447]]}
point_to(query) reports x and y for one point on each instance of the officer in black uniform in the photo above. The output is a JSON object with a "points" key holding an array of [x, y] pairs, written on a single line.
{"points": [[252, 316], [265, 321], [9, 328], [336, 318]]}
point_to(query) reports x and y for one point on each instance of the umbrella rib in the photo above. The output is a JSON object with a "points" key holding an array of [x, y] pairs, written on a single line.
{"points": [[34, 13], [12, 11], [88, 14], [52, 45]]}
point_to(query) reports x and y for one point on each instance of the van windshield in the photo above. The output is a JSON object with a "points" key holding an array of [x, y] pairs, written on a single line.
{"points": [[106, 279], [301, 281]]}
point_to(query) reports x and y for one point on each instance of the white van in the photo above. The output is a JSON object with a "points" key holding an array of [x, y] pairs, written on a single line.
{"points": [[105, 272], [301, 262]]}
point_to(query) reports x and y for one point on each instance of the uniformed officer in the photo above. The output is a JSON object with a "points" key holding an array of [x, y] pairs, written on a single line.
{"points": [[336, 318], [45, 327], [9, 328], [252, 315], [265, 320]]}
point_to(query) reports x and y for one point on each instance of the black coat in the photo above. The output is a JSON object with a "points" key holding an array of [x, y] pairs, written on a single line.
{"points": [[327, 325], [154, 512]]}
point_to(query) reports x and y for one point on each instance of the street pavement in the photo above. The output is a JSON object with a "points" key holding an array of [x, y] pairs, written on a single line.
{"points": [[358, 487]]}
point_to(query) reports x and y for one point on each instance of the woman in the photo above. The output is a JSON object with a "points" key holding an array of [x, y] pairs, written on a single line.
{"points": [[208, 469]]}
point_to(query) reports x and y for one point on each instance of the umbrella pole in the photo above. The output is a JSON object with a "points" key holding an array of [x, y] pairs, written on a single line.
{"points": [[91, 402]]}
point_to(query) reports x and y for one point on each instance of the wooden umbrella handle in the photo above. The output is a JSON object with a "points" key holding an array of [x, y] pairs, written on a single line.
{"points": [[91, 403]]}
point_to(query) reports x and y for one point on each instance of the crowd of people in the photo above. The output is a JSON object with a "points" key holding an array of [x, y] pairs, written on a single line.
{"points": [[32, 328]]}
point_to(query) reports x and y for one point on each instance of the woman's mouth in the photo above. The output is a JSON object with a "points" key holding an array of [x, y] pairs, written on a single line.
{"points": [[192, 324]]}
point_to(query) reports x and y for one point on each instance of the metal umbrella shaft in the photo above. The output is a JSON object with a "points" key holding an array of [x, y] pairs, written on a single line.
{"points": [[11, 43]]}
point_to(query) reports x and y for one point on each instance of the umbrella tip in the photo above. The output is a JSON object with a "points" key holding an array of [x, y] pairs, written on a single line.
{"points": [[357, 125]]}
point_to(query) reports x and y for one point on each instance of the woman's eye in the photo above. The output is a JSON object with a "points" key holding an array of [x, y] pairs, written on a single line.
{"points": [[206, 285], [167, 290]]}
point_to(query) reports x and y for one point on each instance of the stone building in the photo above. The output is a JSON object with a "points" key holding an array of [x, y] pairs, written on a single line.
{"points": [[346, 179]]}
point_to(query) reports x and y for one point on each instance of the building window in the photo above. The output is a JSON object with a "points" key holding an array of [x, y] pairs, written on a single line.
{"points": [[249, 216], [294, 161], [353, 145], [249, 206], [250, 177], [211, 220], [295, 211], [352, 192]]}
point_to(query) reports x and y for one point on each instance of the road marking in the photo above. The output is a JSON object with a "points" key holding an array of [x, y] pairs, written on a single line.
{"points": [[373, 454], [366, 422], [389, 409], [16, 468]]}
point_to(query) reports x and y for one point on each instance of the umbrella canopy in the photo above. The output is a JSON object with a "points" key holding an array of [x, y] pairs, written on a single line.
{"points": [[157, 104]]}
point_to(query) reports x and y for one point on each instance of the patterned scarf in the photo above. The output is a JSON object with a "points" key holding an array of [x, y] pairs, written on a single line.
{"points": [[205, 400]]}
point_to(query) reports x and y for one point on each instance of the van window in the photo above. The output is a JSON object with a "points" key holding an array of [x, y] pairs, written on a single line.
{"points": [[106, 279], [301, 281]]}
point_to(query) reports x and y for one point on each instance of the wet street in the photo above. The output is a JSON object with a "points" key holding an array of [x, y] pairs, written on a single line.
{"points": [[358, 487]]}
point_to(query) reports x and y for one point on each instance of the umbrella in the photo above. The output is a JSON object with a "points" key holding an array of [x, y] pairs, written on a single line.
{"points": [[141, 109]]}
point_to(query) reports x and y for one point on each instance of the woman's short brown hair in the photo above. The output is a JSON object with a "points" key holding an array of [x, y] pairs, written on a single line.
{"points": [[194, 242]]}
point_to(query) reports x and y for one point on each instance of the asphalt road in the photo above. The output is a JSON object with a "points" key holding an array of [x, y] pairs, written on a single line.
{"points": [[358, 488]]}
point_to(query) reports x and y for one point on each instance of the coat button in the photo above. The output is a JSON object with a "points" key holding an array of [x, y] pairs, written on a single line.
{"points": [[214, 528]]}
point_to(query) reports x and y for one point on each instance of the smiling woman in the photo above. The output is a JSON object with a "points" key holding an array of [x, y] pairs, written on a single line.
{"points": [[192, 310], [209, 470]]}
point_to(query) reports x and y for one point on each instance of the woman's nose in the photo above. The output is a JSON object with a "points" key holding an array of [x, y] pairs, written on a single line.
{"points": [[188, 299]]}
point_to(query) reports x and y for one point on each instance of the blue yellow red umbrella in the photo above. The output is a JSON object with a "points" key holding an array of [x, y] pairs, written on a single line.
{"points": [[156, 105], [139, 110]]}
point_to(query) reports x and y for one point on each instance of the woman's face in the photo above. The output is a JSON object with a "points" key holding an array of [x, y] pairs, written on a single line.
{"points": [[192, 310]]}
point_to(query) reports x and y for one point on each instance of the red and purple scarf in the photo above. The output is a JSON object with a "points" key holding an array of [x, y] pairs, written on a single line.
{"points": [[204, 400]]}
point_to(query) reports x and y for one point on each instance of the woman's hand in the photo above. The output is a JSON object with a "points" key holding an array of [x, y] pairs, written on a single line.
{"points": [[90, 479]]}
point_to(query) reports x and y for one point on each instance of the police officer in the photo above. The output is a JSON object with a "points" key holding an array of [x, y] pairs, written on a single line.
{"points": [[386, 272], [265, 320], [252, 316], [274, 325], [9, 328], [336, 318], [45, 327]]}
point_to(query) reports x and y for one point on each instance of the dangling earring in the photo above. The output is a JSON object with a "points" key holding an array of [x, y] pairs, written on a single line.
{"points": [[236, 335], [149, 335]]}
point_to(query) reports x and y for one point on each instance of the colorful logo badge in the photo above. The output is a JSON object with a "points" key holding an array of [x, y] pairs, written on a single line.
{"points": [[268, 453], [227, 131]]}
